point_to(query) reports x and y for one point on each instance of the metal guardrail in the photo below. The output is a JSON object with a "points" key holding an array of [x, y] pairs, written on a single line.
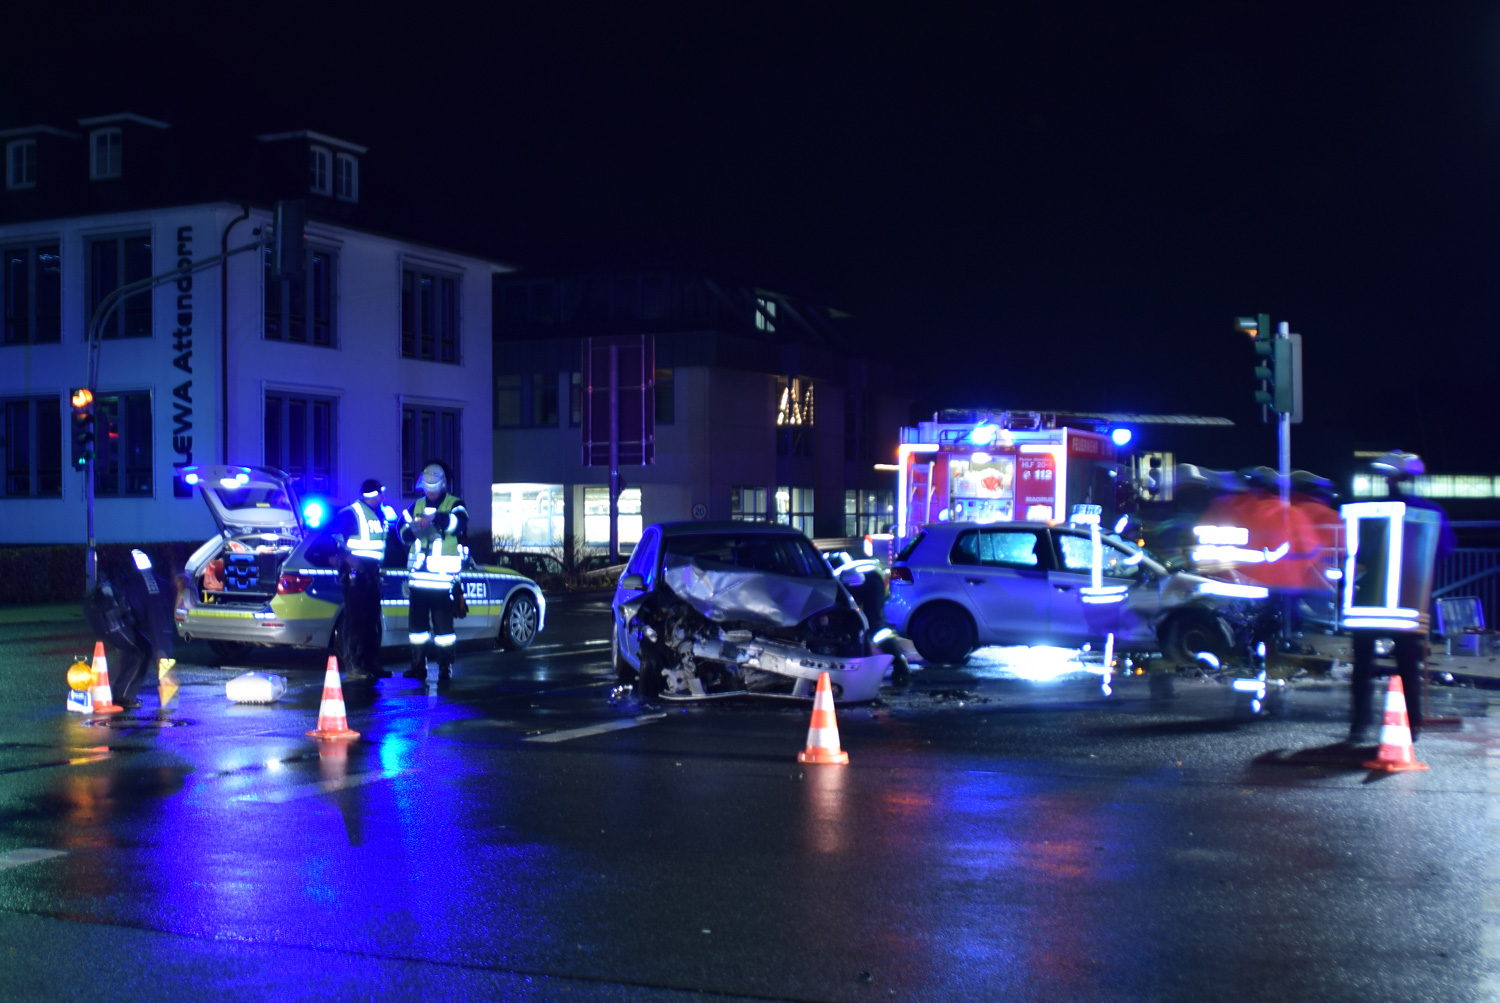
{"points": [[1473, 571]]}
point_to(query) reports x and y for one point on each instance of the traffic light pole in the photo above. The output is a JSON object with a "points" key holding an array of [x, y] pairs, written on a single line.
{"points": [[1284, 436], [102, 313]]}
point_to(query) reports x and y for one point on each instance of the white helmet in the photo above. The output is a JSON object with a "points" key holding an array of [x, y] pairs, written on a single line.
{"points": [[1399, 464], [432, 480]]}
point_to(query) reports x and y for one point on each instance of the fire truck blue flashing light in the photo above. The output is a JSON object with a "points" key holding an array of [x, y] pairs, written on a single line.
{"points": [[983, 434], [313, 513], [1121, 436]]}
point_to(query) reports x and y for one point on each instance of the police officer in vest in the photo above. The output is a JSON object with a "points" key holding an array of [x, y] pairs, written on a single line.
{"points": [[360, 530], [435, 527]]}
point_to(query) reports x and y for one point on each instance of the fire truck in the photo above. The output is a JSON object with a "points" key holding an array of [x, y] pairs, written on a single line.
{"points": [[1004, 466]]}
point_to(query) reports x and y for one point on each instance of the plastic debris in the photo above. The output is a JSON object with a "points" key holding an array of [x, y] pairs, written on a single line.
{"points": [[255, 687]]}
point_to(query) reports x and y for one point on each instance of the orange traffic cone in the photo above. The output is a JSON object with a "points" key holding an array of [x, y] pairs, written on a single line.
{"points": [[1396, 753], [332, 721], [823, 733], [102, 695]]}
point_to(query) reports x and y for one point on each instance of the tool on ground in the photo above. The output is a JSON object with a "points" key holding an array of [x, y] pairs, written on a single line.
{"points": [[333, 722], [166, 680], [1396, 754], [102, 696], [823, 732], [256, 687]]}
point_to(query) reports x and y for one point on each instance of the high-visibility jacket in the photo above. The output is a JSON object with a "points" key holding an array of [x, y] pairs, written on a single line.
{"points": [[436, 554], [364, 530]]}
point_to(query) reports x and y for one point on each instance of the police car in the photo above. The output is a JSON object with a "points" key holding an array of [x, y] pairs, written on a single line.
{"points": [[270, 577]]}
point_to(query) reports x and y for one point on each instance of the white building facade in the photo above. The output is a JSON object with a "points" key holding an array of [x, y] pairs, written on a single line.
{"points": [[373, 363]]}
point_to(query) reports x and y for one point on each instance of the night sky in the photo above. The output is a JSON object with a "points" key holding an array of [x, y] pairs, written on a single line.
{"points": [[1039, 204]]}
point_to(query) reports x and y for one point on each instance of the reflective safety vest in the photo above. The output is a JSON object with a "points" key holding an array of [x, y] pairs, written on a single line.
{"points": [[435, 558], [370, 543]]}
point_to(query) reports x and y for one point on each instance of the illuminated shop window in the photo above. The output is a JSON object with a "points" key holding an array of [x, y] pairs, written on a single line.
{"points": [[794, 507], [748, 504], [596, 516], [1432, 486], [527, 515], [794, 417]]}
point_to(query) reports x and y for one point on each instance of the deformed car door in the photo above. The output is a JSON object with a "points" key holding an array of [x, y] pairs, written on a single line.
{"points": [[1079, 616], [1004, 574], [643, 562]]}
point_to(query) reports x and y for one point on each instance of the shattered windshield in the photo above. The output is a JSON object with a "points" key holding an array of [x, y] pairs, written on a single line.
{"points": [[777, 554]]}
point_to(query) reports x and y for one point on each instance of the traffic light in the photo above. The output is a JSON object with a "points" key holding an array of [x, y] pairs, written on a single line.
{"points": [[1278, 368], [289, 251], [83, 426]]}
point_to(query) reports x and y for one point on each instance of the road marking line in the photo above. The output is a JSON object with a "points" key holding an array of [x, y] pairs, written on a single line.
{"points": [[321, 787], [595, 729], [27, 855], [569, 644]]}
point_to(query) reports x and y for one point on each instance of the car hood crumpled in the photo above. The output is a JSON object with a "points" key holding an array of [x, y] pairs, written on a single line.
{"points": [[741, 594]]}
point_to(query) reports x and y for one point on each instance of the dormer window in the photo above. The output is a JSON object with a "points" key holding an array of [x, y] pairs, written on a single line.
{"points": [[104, 153], [346, 178], [20, 164], [319, 162]]}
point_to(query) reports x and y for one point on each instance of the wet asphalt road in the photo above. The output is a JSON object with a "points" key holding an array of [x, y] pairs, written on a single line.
{"points": [[522, 836]]}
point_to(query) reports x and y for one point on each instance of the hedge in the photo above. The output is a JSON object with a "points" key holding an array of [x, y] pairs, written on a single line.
{"points": [[54, 572]]}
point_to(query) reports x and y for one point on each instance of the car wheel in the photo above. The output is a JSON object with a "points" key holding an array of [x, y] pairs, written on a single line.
{"points": [[1189, 633], [650, 680], [624, 674], [942, 634], [230, 650], [518, 624]]}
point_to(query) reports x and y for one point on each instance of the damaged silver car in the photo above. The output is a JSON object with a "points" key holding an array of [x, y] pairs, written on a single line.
{"points": [[707, 610]]}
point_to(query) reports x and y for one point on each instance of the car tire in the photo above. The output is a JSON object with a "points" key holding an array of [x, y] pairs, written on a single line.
{"points": [[519, 621], [650, 681], [943, 634], [230, 650], [1189, 633]]}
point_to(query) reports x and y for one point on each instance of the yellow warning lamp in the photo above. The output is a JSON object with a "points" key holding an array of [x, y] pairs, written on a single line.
{"points": [[80, 676]]}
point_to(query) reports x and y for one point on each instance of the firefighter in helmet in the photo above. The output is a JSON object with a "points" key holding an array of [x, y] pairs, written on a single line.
{"points": [[435, 527]]}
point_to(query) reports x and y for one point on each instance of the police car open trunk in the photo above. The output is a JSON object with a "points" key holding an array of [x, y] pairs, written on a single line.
{"points": [[259, 524]]}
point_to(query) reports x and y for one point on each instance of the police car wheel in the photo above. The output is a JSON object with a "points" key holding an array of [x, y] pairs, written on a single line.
{"points": [[518, 624]]}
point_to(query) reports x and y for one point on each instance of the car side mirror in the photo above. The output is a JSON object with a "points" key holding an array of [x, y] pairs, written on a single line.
{"points": [[852, 579], [634, 582]]}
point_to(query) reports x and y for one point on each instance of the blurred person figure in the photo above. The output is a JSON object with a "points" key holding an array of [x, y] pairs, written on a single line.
{"points": [[870, 595], [1409, 648], [131, 608]]}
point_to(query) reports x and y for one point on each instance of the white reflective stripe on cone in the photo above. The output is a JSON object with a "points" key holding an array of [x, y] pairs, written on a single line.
{"points": [[445, 640], [333, 708], [823, 738]]}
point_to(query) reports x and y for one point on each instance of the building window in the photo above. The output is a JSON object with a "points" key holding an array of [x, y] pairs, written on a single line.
{"points": [[868, 512], [508, 401], [429, 316], [31, 440], [122, 450], [428, 435], [666, 404], [117, 261], [748, 504], [321, 180], [20, 164], [526, 515], [575, 400], [859, 426], [544, 400], [301, 308], [301, 436], [346, 178], [596, 517], [794, 507], [33, 294], [104, 154], [765, 315], [794, 417]]}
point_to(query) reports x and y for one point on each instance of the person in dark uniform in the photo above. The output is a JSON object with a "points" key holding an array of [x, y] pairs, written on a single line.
{"points": [[360, 530], [436, 529], [870, 595], [1409, 648], [131, 608]]}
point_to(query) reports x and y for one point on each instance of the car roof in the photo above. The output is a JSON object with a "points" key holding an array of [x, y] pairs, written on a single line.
{"points": [[694, 527]]}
